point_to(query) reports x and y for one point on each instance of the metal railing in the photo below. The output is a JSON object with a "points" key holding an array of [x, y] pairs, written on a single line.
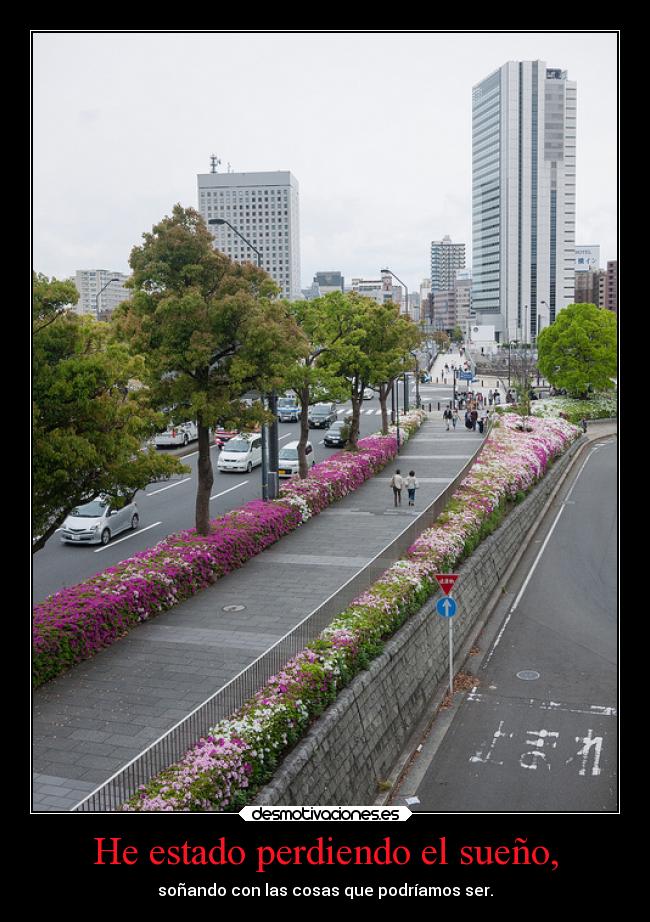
{"points": [[171, 747]]}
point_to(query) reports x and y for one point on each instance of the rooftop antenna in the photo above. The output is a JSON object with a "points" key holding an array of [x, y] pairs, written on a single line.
{"points": [[214, 162]]}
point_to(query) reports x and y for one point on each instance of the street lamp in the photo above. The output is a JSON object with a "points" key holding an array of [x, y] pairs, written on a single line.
{"points": [[390, 272], [98, 294], [417, 380], [272, 453]]}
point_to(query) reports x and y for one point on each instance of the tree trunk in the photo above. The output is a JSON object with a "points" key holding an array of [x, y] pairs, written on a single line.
{"points": [[383, 398], [354, 422], [304, 433], [206, 481]]}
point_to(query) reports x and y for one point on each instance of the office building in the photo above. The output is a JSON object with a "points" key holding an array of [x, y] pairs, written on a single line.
{"points": [[381, 290], [100, 291], [523, 197], [611, 290], [590, 287], [446, 259], [263, 209]]}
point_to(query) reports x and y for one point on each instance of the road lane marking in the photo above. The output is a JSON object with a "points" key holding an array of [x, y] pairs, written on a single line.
{"points": [[177, 484], [138, 531], [229, 490], [537, 559]]}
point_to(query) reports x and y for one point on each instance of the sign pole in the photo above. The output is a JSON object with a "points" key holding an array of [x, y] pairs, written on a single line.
{"points": [[451, 657]]}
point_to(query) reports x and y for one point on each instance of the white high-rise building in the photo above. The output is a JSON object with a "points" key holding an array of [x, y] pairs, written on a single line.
{"points": [[100, 291], [523, 198], [264, 209], [446, 259]]}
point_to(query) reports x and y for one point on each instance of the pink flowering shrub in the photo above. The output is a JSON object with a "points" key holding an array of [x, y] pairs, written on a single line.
{"points": [[75, 623], [270, 723]]}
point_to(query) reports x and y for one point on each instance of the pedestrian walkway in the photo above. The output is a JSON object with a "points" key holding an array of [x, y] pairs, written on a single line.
{"points": [[91, 721]]}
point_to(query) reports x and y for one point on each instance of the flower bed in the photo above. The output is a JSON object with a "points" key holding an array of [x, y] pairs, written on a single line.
{"points": [[227, 767], [600, 406], [75, 623]]}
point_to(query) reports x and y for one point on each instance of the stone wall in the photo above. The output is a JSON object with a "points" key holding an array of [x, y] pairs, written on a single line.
{"points": [[358, 740]]}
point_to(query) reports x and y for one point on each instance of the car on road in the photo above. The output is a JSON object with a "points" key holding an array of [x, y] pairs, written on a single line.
{"points": [[321, 416], [176, 435], [221, 436], [368, 393], [99, 521], [288, 458], [338, 433], [288, 409], [242, 453]]}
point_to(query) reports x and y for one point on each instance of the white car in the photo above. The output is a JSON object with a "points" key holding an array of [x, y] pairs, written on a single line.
{"points": [[242, 453], [97, 522], [176, 436], [368, 393], [288, 458]]}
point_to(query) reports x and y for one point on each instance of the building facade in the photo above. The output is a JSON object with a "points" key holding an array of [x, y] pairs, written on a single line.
{"points": [[523, 197], [611, 291], [446, 259], [380, 290], [590, 287], [100, 291], [264, 209]]}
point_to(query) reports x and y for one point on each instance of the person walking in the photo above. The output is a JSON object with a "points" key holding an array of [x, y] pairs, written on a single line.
{"points": [[447, 417], [397, 482], [411, 485], [474, 417], [454, 417], [583, 423]]}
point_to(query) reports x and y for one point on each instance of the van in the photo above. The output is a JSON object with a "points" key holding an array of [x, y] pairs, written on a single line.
{"points": [[242, 453], [288, 458]]}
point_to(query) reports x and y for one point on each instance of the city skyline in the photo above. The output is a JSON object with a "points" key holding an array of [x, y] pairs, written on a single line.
{"points": [[378, 178]]}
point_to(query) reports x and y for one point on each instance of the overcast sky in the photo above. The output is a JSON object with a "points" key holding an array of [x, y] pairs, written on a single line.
{"points": [[376, 127]]}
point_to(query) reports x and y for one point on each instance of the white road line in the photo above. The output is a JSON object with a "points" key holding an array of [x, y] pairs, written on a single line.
{"points": [[229, 490], [288, 435], [177, 484], [537, 559], [138, 531]]}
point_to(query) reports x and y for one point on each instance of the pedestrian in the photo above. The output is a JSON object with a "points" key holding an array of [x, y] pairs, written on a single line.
{"points": [[482, 419], [412, 485], [490, 397], [474, 417], [468, 420], [397, 482], [454, 417], [583, 423], [447, 417]]}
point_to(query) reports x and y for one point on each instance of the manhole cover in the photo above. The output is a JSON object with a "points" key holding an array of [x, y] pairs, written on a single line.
{"points": [[529, 675], [233, 608]]}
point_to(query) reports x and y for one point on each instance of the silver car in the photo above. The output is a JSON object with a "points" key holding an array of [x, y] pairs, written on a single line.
{"points": [[97, 522]]}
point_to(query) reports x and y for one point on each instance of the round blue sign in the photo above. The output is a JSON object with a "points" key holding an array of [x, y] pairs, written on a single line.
{"points": [[446, 606]]}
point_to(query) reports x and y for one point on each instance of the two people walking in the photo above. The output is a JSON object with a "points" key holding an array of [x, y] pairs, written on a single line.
{"points": [[398, 482]]}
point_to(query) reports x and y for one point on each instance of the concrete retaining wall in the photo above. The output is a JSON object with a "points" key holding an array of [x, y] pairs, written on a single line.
{"points": [[357, 741]]}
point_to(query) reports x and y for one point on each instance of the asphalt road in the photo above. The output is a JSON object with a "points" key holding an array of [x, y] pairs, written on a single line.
{"points": [[168, 507], [539, 732]]}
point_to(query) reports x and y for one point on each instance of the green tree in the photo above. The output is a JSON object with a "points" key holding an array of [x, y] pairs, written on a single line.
{"points": [[88, 427], [441, 339], [311, 379], [392, 337], [578, 350], [210, 329]]}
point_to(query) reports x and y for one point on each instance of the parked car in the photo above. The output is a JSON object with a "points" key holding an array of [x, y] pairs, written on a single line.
{"points": [[368, 393], [338, 433], [321, 416], [99, 521], [288, 409], [288, 458], [221, 436], [242, 453], [177, 435]]}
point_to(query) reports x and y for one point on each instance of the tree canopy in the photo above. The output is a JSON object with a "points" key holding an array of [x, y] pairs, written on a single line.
{"points": [[578, 350], [210, 330], [88, 427]]}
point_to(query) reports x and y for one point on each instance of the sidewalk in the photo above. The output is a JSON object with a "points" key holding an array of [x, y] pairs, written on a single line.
{"points": [[89, 722]]}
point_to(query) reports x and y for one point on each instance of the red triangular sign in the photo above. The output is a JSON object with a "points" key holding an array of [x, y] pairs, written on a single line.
{"points": [[446, 581]]}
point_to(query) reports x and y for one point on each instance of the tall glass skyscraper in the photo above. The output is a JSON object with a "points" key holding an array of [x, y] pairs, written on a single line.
{"points": [[523, 197]]}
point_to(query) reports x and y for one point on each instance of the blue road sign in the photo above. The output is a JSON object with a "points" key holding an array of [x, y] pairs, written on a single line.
{"points": [[446, 607], [466, 376]]}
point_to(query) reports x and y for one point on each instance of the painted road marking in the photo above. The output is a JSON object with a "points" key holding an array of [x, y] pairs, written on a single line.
{"points": [[229, 490], [138, 531], [177, 484]]}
